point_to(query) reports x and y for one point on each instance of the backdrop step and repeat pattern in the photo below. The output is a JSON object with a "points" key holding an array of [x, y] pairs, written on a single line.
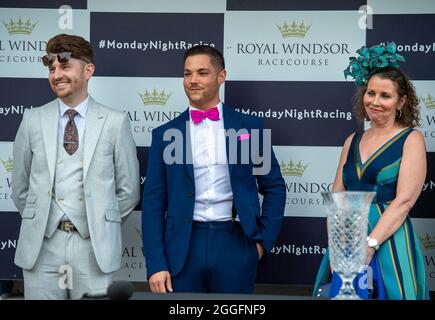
{"points": [[285, 62]]}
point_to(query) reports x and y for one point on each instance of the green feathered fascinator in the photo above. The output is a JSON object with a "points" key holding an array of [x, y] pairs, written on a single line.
{"points": [[370, 59]]}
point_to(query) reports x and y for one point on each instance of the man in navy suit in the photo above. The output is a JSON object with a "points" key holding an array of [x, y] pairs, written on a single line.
{"points": [[203, 230]]}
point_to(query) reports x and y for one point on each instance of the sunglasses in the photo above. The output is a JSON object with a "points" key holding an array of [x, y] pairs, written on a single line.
{"points": [[62, 57]]}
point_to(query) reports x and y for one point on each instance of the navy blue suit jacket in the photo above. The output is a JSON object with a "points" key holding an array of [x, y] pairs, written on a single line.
{"points": [[169, 195]]}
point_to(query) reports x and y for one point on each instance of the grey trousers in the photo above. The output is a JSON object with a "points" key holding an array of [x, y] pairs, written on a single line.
{"points": [[66, 269]]}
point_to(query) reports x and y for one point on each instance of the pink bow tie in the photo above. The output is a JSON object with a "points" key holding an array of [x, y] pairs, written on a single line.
{"points": [[198, 116]]}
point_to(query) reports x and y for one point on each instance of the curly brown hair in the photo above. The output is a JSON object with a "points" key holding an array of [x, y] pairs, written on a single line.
{"points": [[410, 112], [78, 46]]}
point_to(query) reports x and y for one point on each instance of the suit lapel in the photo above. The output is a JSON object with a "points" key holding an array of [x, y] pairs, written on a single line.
{"points": [[184, 126], [94, 124], [50, 132], [231, 121]]}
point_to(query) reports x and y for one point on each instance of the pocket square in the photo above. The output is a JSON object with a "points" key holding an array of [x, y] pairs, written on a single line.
{"points": [[244, 136]]}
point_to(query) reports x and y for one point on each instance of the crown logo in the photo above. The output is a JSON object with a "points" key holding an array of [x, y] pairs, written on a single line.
{"points": [[293, 30], [429, 102], [428, 242], [291, 169], [8, 164], [20, 27], [154, 98]]}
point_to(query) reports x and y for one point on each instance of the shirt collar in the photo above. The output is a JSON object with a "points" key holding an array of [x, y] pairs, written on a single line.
{"points": [[81, 108]]}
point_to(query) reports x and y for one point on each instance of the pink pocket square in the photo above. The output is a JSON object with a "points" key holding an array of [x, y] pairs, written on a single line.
{"points": [[244, 136]]}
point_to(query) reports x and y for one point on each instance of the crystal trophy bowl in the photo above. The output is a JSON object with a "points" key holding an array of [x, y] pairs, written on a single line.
{"points": [[347, 221]]}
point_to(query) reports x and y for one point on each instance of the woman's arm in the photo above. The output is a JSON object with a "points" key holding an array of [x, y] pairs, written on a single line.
{"points": [[412, 175]]}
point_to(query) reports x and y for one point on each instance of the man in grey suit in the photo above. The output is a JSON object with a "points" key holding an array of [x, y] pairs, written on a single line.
{"points": [[75, 176]]}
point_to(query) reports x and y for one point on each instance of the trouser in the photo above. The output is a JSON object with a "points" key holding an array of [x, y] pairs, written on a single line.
{"points": [[221, 259], [66, 269]]}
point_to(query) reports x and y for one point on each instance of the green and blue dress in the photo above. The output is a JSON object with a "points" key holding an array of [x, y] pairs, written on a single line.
{"points": [[399, 259]]}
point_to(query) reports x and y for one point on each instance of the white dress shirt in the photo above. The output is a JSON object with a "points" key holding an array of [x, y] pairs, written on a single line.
{"points": [[213, 197], [79, 119]]}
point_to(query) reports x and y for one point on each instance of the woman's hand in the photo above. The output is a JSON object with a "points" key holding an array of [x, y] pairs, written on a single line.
{"points": [[369, 255]]}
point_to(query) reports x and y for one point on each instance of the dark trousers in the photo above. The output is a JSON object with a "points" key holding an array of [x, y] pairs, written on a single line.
{"points": [[221, 259]]}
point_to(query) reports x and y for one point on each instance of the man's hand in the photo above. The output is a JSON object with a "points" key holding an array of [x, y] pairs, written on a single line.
{"points": [[160, 282], [260, 250]]}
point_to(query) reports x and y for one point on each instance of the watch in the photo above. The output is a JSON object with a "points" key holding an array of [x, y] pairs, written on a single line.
{"points": [[373, 243]]}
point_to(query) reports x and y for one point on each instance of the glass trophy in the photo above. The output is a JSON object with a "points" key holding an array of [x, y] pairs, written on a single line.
{"points": [[347, 221]]}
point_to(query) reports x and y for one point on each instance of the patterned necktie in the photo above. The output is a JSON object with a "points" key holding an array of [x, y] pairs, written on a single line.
{"points": [[71, 135], [198, 116]]}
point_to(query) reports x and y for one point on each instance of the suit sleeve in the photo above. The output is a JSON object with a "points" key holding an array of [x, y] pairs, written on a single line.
{"points": [[22, 157], [154, 205], [127, 178], [272, 187]]}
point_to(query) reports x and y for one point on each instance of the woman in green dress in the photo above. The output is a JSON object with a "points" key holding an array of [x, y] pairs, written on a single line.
{"points": [[389, 158]]}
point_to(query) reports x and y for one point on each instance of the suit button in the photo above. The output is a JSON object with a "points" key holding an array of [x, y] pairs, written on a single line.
{"points": [[190, 194], [188, 220]]}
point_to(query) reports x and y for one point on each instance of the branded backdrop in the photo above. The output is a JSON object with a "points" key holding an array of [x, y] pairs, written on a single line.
{"points": [[285, 62]]}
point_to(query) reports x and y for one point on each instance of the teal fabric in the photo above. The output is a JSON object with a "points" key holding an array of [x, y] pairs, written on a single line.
{"points": [[400, 257]]}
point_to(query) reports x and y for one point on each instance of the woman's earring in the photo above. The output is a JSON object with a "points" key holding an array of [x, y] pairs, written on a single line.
{"points": [[399, 113]]}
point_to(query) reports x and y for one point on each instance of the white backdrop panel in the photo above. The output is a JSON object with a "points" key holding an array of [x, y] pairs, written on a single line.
{"points": [[6, 203], [260, 51], [307, 171], [20, 52], [147, 109], [401, 6], [425, 229], [133, 260], [426, 94], [157, 6]]}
